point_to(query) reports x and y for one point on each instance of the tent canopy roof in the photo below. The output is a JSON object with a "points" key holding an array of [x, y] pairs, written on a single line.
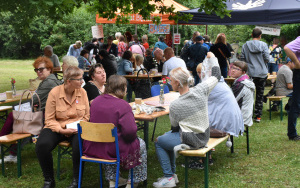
{"points": [[251, 12], [138, 19]]}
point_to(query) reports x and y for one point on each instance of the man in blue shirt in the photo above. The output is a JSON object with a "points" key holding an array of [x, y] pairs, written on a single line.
{"points": [[75, 49], [196, 54]]}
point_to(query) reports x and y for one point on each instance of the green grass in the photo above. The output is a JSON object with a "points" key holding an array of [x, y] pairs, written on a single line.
{"points": [[273, 160]]}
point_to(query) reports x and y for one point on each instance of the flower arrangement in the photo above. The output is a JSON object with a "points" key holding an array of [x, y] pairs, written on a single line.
{"points": [[13, 81], [163, 82]]}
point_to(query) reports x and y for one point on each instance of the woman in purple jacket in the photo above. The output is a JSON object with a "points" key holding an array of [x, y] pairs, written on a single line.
{"points": [[111, 108]]}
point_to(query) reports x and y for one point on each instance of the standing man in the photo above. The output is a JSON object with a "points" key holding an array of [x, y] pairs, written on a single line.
{"points": [[75, 49], [184, 50], [48, 52], [256, 54], [171, 63], [196, 54], [110, 47], [292, 50]]}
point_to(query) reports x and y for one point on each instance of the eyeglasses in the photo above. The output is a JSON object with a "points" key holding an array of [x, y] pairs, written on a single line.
{"points": [[235, 68], [80, 79], [39, 69]]}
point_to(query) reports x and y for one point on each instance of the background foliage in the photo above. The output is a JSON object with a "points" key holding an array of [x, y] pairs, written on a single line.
{"points": [[21, 38]]}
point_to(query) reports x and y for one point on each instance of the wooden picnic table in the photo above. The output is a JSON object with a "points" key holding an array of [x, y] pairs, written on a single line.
{"points": [[231, 80], [154, 101], [143, 76], [60, 71], [14, 99]]}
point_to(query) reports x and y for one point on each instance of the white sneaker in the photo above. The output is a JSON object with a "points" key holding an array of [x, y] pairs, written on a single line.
{"points": [[174, 176], [129, 185], [165, 182], [10, 159], [122, 181]]}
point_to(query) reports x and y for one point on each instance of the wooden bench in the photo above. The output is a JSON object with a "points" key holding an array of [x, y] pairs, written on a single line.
{"points": [[4, 109], [276, 98], [64, 148], [213, 142], [12, 139]]}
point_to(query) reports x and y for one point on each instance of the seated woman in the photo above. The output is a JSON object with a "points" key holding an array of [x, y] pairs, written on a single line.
{"points": [[96, 86], [125, 67], [139, 62], [111, 108], [69, 61], [43, 67], [108, 62], [66, 104], [189, 120], [83, 62]]}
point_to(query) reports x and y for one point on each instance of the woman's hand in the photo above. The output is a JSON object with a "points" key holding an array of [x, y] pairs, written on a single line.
{"points": [[68, 132]]}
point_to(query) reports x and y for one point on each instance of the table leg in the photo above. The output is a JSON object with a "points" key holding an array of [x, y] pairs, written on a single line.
{"points": [[2, 160], [146, 133], [186, 162], [19, 159], [206, 170], [281, 113]]}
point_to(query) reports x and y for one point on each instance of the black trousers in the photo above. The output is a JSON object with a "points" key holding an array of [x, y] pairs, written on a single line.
{"points": [[260, 88], [46, 142]]}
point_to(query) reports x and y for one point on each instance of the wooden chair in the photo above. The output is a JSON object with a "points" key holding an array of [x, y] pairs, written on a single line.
{"points": [[8, 140], [99, 132], [64, 148]]}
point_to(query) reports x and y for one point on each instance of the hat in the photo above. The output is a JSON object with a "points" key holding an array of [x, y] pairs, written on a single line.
{"points": [[78, 44], [199, 38]]}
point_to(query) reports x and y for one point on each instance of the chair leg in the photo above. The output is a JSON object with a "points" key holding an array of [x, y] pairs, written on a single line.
{"points": [[186, 177], [118, 174], [232, 147], [247, 136], [58, 162], [154, 129], [80, 174], [131, 176], [101, 179]]}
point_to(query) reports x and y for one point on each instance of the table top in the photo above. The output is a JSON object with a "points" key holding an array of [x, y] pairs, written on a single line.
{"points": [[15, 97], [154, 101], [60, 71], [143, 76], [270, 77]]}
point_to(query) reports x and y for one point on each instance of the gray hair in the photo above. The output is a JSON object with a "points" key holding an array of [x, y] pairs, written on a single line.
{"points": [[72, 72], [70, 61], [145, 37], [183, 76], [49, 48], [118, 34]]}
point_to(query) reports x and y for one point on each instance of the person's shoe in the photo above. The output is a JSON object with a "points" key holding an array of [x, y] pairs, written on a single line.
{"points": [[10, 159], [74, 183], [296, 138], [210, 161], [49, 184], [257, 119], [174, 176], [265, 99], [135, 185], [165, 182], [122, 182], [195, 165]]}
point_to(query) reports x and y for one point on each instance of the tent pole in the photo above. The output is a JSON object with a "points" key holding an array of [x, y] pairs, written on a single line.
{"points": [[173, 38], [177, 44]]}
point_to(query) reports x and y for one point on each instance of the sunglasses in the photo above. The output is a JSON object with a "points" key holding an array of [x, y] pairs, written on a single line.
{"points": [[39, 69]]}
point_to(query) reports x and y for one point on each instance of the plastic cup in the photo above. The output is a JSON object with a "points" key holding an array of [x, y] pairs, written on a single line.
{"points": [[9, 94]]}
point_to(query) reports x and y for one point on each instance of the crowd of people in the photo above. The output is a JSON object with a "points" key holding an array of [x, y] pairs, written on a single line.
{"points": [[205, 101]]}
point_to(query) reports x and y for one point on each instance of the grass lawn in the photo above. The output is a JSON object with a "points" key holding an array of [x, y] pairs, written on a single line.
{"points": [[273, 160]]}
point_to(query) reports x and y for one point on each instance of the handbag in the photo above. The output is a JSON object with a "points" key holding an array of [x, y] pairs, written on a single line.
{"points": [[142, 86], [228, 64], [28, 122], [215, 133]]}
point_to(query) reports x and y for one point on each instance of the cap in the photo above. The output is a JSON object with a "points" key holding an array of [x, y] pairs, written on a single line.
{"points": [[198, 38], [78, 44]]}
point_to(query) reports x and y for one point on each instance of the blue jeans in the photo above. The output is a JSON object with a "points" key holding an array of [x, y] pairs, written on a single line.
{"points": [[273, 67], [295, 105], [165, 152]]}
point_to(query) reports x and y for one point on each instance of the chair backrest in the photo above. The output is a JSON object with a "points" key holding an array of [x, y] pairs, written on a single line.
{"points": [[155, 90], [98, 132]]}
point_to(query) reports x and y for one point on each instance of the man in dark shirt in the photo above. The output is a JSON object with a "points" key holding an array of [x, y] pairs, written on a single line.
{"points": [[110, 47]]}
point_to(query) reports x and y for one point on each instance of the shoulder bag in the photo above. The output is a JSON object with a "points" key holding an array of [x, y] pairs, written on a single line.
{"points": [[142, 86], [28, 122]]}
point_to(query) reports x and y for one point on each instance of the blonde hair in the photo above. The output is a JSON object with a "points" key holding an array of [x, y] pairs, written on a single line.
{"points": [[199, 67], [139, 58], [72, 72], [183, 76]]}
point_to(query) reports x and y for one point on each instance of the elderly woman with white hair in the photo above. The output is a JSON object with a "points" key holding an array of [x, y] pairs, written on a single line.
{"points": [[189, 120], [48, 52], [69, 61]]}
